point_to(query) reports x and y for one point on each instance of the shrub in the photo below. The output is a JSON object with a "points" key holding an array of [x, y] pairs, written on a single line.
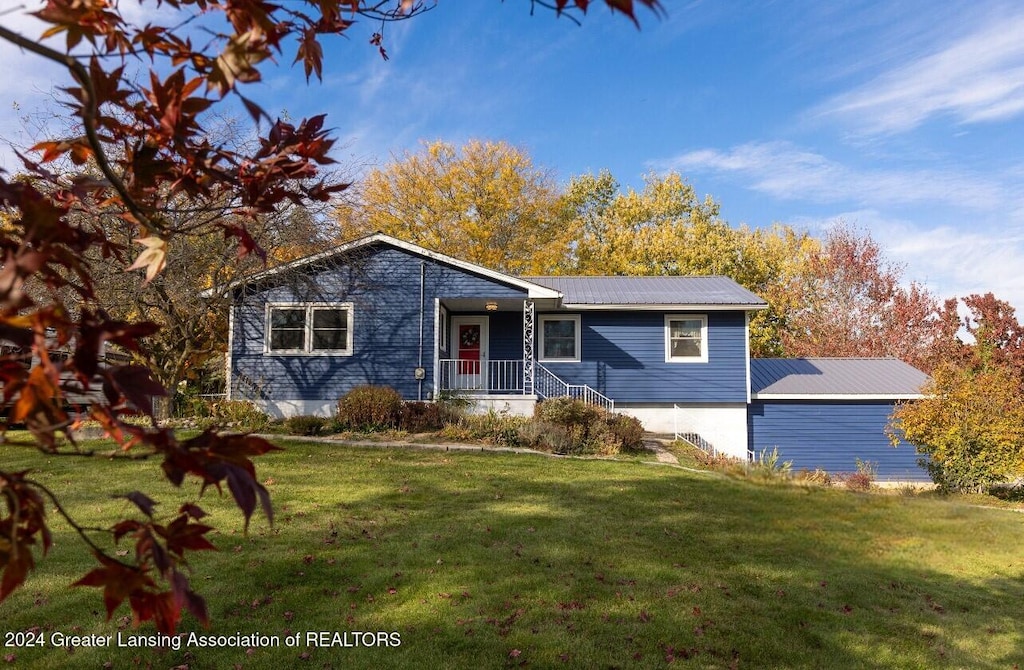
{"points": [[627, 431], [306, 425], [419, 417], [571, 426], [770, 464], [544, 436], [239, 414], [369, 408], [968, 426], [497, 428], [567, 412], [863, 478]]}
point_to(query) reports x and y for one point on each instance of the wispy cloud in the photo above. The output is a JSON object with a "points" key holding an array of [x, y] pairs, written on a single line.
{"points": [[788, 172], [950, 261], [979, 77]]}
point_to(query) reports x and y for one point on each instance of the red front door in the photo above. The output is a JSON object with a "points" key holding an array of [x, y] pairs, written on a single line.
{"points": [[469, 344], [469, 348]]}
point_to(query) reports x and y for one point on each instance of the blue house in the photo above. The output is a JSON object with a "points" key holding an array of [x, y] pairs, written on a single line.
{"points": [[671, 351]]}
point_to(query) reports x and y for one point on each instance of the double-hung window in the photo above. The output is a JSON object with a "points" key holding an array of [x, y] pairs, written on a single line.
{"points": [[559, 338], [323, 329], [686, 338]]}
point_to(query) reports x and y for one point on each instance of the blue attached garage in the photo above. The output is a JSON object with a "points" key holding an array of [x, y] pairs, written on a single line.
{"points": [[825, 413]]}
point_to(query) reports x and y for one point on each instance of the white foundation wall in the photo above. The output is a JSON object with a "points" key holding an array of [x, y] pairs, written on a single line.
{"points": [[516, 405], [283, 409], [722, 425]]}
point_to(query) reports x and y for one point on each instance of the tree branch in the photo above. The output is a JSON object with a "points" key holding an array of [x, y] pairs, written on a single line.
{"points": [[89, 111], [78, 529]]}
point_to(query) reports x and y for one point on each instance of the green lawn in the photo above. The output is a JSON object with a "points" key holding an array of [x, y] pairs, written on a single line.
{"points": [[493, 560]]}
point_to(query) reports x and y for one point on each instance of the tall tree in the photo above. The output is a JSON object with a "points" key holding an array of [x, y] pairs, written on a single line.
{"points": [[849, 301], [487, 200], [662, 229], [192, 334], [970, 423], [145, 137], [998, 335], [665, 229]]}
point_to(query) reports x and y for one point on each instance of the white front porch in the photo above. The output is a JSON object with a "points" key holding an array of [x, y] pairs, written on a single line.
{"points": [[504, 380]]}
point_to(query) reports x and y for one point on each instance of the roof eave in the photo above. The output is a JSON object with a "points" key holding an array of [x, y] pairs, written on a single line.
{"points": [[665, 307], [535, 291], [836, 396]]}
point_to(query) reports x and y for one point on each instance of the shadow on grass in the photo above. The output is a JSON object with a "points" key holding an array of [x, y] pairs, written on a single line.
{"points": [[487, 560]]}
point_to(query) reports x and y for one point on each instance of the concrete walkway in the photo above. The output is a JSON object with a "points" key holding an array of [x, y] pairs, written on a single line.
{"points": [[662, 454]]}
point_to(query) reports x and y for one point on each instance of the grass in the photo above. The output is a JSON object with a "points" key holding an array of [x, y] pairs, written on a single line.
{"points": [[495, 560]]}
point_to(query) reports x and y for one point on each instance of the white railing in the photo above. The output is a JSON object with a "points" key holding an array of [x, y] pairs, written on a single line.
{"points": [[548, 385], [690, 437], [507, 377], [485, 376]]}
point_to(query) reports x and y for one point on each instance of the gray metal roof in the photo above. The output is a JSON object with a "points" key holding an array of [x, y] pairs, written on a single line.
{"points": [[711, 291], [880, 377]]}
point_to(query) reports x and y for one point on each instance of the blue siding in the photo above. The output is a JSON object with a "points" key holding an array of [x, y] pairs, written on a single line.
{"points": [[831, 436], [383, 283], [623, 353], [623, 356]]}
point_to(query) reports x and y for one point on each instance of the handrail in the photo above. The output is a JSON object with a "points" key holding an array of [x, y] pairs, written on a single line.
{"points": [[506, 376], [549, 385], [690, 437]]}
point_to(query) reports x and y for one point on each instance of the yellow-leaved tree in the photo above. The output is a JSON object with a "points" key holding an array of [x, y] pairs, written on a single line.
{"points": [[485, 202], [666, 229], [970, 425]]}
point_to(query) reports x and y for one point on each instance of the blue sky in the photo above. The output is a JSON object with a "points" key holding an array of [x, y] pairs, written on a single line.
{"points": [[906, 118]]}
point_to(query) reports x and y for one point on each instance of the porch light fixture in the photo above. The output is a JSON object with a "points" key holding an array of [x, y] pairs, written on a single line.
{"points": [[491, 306]]}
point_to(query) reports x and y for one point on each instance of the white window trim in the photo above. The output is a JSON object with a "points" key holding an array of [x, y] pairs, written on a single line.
{"points": [[540, 337], [308, 337], [703, 358], [442, 328]]}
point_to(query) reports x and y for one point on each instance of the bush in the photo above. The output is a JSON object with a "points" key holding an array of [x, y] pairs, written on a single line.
{"points": [[306, 425], [863, 478], [545, 436], [239, 414], [420, 417], [495, 427], [627, 431], [369, 408], [567, 412], [968, 427], [570, 426]]}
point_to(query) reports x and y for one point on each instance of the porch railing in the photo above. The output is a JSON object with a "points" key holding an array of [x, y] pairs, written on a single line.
{"points": [[507, 377], [485, 376]]}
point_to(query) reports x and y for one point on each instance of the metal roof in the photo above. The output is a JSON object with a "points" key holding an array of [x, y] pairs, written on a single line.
{"points": [[662, 291], [816, 377]]}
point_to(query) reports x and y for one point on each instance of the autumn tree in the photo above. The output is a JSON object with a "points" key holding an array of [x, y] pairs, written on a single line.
{"points": [[970, 423], [487, 200], [648, 232], [666, 229], [847, 300], [192, 334], [143, 151], [998, 335]]}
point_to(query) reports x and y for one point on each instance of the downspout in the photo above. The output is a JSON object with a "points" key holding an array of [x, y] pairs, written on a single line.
{"points": [[419, 364]]}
